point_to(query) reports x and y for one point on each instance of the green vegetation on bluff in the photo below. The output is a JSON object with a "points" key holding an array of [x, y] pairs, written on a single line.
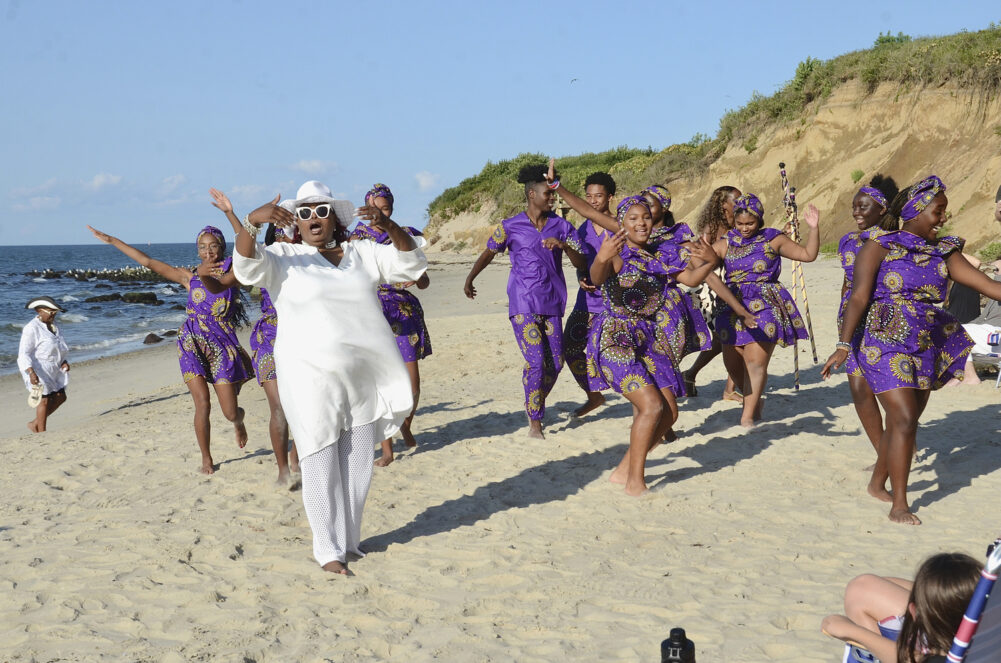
{"points": [[968, 60]]}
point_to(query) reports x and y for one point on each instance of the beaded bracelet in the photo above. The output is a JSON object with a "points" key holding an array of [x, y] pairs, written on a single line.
{"points": [[555, 184], [251, 229], [843, 345]]}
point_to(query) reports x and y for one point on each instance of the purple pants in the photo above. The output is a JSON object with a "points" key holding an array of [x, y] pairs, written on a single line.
{"points": [[540, 338]]}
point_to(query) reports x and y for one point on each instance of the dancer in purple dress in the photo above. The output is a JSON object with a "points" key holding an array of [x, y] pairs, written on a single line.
{"points": [[715, 220], [628, 350], [869, 211], [208, 350], [262, 343], [598, 191], [403, 312], [909, 346], [752, 257], [536, 288]]}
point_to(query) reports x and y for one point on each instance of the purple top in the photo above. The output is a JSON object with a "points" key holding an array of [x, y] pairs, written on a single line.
{"points": [[536, 284], [590, 237], [679, 233]]}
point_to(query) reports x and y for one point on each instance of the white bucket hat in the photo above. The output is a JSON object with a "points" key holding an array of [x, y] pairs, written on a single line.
{"points": [[317, 192]]}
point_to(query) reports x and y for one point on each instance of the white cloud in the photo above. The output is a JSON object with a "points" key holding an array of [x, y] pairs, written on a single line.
{"points": [[37, 204], [28, 191], [314, 166], [247, 191], [103, 180], [426, 180], [171, 183]]}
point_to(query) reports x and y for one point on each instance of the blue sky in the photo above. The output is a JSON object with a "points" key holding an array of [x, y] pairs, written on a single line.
{"points": [[123, 114]]}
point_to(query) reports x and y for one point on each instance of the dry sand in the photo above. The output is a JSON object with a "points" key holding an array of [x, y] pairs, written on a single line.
{"points": [[485, 545]]}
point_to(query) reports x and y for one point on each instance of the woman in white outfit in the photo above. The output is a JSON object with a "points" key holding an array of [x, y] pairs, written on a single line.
{"points": [[41, 360], [341, 379]]}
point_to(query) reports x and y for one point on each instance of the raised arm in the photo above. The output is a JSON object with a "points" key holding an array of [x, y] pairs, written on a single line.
{"points": [[478, 266], [961, 271], [793, 251], [262, 216], [580, 205], [169, 272], [608, 258]]}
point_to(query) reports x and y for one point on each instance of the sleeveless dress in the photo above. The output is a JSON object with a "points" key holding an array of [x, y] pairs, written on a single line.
{"points": [[628, 349], [908, 341], [262, 340], [848, 248], [401, 307], [206, 343], [752, 269]]}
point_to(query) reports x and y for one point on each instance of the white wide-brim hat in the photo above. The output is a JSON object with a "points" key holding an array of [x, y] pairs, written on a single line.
{"points": [[317, 192], [46, 302]]}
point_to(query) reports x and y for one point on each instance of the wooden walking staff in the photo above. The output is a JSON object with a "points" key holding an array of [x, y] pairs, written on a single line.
{"points": [[798, 280]]}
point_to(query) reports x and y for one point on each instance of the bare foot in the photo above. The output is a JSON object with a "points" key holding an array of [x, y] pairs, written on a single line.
{"points": [[337, 567], [636, 488], [283, 477], [387, 453], [535, 429], [594, 400], [618, 476], [207, 466], [879, 492], [904, 517], [241, 430], [32, 426], [748, 423], [408, 437], [732, 396]]}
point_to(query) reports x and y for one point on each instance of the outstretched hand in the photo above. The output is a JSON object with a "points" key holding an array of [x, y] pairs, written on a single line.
{"points": [[611, 246], [104, 237], [812, 216], [834, 362], [271, 213], [220, 200], [552, 243], [469, 290], [373, 216], [702, 250]]}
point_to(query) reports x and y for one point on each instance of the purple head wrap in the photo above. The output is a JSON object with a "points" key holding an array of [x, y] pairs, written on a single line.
{"points": [[215, 232], [876, 195], [626, 203], [920, 195], [749, 203], [379, 190], [660, 192]]}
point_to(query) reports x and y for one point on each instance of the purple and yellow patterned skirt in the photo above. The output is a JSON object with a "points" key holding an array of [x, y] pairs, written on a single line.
{"points": [[262, 347], [405, 316], [208, 347], [626, 354], [771, 304]]}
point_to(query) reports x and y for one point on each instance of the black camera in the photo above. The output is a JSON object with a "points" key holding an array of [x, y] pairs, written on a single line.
{"points": [[677, 648]]}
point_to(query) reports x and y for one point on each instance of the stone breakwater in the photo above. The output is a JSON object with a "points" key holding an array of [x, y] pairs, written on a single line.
{"points": [[121, 275]]}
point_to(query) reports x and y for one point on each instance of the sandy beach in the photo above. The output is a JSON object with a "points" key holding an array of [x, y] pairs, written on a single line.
{"points": [[483, 545]]}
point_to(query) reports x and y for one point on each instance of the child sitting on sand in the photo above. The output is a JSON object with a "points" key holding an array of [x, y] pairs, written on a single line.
{"points": [[931, 608]]}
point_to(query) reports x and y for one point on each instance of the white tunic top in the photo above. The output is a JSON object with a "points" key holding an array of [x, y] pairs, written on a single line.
{"points": [[45, 351], [336, 358]]}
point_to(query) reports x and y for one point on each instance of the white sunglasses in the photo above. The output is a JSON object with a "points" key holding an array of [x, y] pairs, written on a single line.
{"points": [[306, 213]]}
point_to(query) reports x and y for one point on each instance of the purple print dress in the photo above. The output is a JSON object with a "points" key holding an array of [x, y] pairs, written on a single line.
{"points": [[908, 341], [589, 304], [206, 343], [628, 349], [262, 340], [752, 273], [537, 297], [401, 307], [680, 318], [848, 248]]}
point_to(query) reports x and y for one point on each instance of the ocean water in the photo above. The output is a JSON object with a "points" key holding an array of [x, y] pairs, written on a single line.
{"points": [[94, 329]]}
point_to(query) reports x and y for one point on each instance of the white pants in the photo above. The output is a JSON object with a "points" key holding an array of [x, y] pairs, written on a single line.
{"points": [[335, 483], [979, 334]]}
